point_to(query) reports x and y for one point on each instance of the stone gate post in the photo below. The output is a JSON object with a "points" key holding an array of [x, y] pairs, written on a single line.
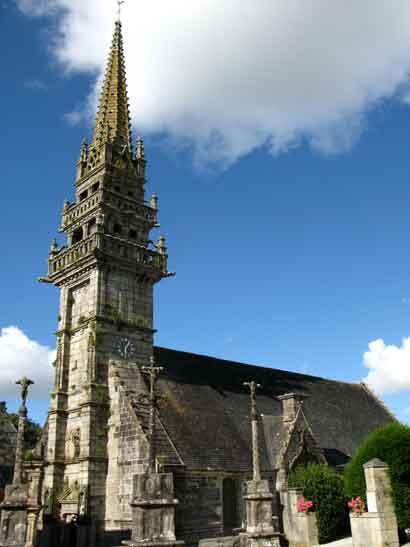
{"points": [[377, 527]]}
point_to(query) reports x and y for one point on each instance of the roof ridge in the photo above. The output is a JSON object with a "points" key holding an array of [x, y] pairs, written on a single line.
{"points": [[372, 394], [262, 367]]}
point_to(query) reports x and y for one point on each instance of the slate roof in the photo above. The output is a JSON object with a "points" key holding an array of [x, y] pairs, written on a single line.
{"points": [[205, 410]]}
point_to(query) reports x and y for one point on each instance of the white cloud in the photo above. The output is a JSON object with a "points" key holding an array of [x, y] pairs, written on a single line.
{"points": [[35, 85], [36, 7], [75, 117], [389, 367], [228, 77], [20, 356]]}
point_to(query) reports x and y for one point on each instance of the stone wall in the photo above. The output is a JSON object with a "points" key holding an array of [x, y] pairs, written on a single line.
{"points": [[300, 529], [127, 443], [202, 511], [199, 513]]}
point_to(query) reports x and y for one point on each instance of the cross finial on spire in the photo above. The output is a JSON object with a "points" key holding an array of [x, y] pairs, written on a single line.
{"points": [[120, 3]]}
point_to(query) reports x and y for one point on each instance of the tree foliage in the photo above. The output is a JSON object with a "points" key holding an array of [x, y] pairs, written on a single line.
{"points": [[390, 444], [32, 433], [325, 488]]}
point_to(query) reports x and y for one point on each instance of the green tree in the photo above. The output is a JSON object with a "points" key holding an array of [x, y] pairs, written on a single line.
{"points": [[325, 488], [32, 432], [390, 444]]}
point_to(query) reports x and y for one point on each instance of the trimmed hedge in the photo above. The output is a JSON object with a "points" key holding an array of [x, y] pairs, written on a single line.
{"points": [[325, 488], [390, 444]]}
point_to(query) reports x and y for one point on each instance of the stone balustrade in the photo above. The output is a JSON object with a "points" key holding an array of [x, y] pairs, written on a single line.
{"points": [[110, 245], [77, 210], [141, 210], [70, 255]]}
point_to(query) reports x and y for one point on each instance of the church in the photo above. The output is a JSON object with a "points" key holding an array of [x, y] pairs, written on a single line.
{"points": [[120, 404]]}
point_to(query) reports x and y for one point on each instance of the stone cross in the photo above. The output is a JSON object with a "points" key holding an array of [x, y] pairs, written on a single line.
{"points": [[255, 433], [120, 3], [152, 372], [24, 383]]}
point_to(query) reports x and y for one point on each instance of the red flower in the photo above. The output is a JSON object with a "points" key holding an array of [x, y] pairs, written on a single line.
{"points": [[357, 505], [304, 506]]}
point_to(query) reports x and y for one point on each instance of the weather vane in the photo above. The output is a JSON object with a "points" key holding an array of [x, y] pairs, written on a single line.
{"points": [[120, 3]]}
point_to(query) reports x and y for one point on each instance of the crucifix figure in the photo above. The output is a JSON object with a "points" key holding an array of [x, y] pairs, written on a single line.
{"points": [[24, 383], [152, 372], [120, 3], [255, 434]]}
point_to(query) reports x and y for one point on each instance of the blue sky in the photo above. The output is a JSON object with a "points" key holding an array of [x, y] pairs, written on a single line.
{"points": [[296, 261]]}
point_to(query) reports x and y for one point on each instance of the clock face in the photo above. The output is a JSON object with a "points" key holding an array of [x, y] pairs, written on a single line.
{"points": [[125, 347]]}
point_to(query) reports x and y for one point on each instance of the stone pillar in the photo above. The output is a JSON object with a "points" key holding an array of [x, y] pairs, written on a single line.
{"points": [[258, 499], [153, 511], [32, 518], [152, 372], [14, 509], [17, 476], [33, 472], [378, 527], [300, 528], [255, 431], [13, 524], [259, 522]]}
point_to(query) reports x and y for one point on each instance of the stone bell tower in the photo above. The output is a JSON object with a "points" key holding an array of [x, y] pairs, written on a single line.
{"points": [[105, 273]]}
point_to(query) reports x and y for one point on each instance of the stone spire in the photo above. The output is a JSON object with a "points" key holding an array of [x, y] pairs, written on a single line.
{"points": [[113, 118]]}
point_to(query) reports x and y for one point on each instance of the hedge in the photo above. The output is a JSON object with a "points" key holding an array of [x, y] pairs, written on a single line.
{"points": [[390, 444], [325, 488]]}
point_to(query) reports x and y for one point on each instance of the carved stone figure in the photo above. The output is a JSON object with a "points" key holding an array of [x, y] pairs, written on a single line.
{"points": [[8, 517], [83, 502], [48, 502], [74, 446], [24, 383]]}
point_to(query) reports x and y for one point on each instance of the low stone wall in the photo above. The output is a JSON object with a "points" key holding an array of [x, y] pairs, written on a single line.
{"points": [[374, 530], [300, 528], [227, 541]]}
